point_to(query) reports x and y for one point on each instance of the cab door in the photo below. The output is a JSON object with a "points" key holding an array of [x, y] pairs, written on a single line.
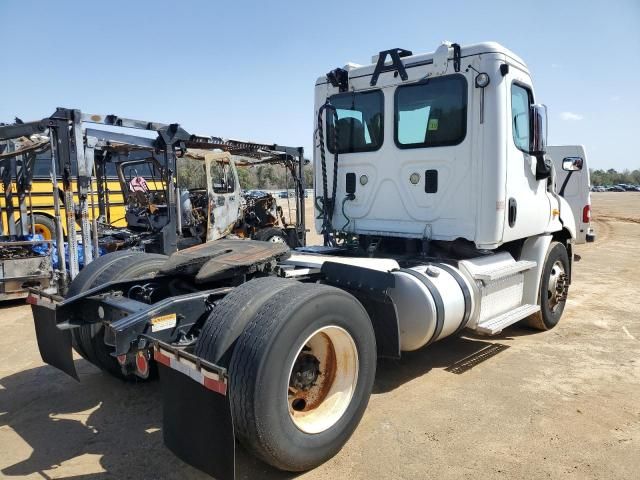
{"points": [[527, 203], [223, 190]]}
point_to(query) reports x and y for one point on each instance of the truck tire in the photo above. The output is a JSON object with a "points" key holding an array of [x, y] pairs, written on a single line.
{"points": [[271, 234], [81, 337], [553, 288], [89, 339], [231, 314], [86, 277], [44, 225], [301, 376]]}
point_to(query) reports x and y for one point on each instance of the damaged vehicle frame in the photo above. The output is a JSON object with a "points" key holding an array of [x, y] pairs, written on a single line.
{"points": [[82, 145], [210, 211], [209, 196]]}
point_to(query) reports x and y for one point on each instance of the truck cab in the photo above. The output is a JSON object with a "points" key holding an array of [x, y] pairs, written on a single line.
{"points": [[438, 146]]}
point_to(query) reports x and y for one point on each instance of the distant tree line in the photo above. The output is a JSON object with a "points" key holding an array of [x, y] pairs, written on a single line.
{"points": [[613, 177], [262, 177], [271, 177]]}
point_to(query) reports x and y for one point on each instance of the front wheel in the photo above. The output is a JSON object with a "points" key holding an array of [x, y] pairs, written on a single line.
{"points": [[554, 287], [272, 234], [301, 375]]}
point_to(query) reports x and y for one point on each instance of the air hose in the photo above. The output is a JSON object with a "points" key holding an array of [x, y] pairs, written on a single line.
{"points": [[328, 203], [349, 196]]}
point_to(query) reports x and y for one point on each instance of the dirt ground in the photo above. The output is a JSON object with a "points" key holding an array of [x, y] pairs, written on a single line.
{"points": [[560, 404]]}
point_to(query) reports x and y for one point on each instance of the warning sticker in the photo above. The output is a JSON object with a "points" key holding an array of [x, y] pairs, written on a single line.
{"points": [[163, 322], [433, 124]]}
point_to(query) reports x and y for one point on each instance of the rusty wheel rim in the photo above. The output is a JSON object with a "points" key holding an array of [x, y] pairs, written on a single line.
{"points": [[43, 230], [322, 379]]}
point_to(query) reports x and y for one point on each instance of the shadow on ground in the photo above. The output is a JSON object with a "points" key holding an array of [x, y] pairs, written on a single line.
{"points": [[455, 354], [60, 419], [14, 302]]}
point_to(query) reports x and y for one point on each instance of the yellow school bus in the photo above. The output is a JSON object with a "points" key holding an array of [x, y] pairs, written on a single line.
{"points": [[41, 199]]}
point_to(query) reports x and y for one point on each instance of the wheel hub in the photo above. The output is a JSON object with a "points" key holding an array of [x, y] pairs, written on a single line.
{"points": [[558, 286], [305, 372], [322, 379]]}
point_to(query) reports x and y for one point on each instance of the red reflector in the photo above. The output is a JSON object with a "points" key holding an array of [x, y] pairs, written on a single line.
{"points": [[161, 358], [32, 300], [142, 365], [122, 359], [215, 385], [586, 214]]}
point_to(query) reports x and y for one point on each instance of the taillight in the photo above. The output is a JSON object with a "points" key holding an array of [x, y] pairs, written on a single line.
{"points": [[586, 214]]}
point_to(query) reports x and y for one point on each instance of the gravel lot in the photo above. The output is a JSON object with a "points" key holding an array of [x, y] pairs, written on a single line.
{"points": [[560, 404]]}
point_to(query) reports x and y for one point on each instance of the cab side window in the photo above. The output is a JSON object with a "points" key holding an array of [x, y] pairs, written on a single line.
{"points": [[520, 102], [222, 177]]}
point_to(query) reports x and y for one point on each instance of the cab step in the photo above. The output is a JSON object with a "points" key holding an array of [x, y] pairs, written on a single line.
{"points": [[495, 325], [487, 275]]}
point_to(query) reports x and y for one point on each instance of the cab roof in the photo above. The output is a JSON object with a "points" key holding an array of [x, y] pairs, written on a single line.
{"points": [[356, 70]]}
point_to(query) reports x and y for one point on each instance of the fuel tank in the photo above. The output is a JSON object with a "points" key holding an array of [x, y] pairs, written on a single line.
{"points": [[432, 302]]}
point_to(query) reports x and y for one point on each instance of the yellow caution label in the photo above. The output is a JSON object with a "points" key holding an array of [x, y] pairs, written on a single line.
{"points": [[433, 124], [163, 322]]}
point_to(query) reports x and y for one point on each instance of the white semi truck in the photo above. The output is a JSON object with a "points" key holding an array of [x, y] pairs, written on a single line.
{"points": [[440, 211]]}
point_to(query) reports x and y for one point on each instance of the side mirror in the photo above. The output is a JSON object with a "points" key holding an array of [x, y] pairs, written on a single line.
{"points": [[572, 164], [538, 130]]}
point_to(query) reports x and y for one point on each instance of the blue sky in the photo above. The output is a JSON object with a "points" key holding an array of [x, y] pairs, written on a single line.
{"points": [[246, 69]]}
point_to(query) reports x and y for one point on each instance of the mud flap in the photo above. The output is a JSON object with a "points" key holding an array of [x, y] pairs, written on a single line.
{"points": [[54, 344], [197, 424]]}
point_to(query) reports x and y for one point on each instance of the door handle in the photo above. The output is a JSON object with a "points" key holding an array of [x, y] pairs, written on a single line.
{"points": [[513, 211]]}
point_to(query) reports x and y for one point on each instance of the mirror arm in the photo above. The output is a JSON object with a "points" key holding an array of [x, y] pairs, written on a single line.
{"points": [[543, 168]]}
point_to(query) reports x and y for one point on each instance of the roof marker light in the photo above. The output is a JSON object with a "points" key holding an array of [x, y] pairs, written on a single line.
{"points": [[482, 80]]}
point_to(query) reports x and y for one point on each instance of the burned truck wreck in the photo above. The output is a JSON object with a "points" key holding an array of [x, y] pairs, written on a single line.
{"points": [[211, 200]]}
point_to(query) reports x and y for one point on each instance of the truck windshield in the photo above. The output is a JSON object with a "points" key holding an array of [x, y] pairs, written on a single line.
{"points": [[360, 122], [431, 113]]}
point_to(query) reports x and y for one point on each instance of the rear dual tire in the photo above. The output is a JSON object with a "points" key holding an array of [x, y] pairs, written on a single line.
{"points": [[88, 340], [301, 373]]}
